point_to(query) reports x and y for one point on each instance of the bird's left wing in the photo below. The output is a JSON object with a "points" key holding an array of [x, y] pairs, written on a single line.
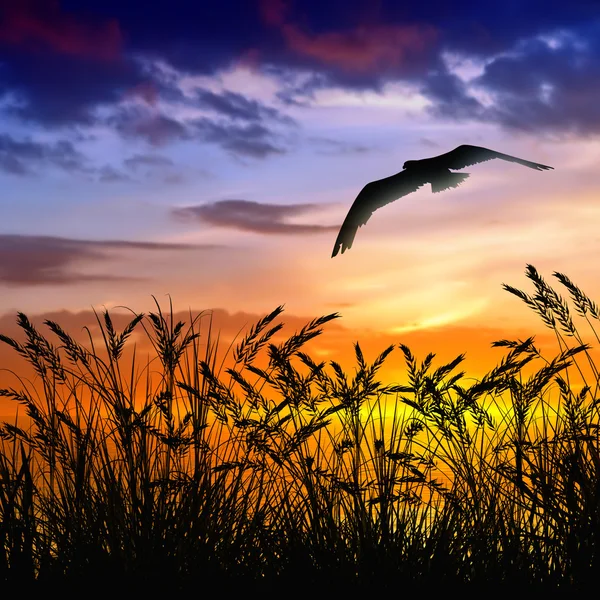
{"points": [[466, 155], [373, 196]]}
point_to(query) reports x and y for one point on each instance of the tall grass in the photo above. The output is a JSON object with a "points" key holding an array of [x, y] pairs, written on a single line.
{"points": [[178, 472]]}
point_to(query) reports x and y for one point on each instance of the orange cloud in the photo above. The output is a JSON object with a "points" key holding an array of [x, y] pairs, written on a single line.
{"points": [[40, 24]]}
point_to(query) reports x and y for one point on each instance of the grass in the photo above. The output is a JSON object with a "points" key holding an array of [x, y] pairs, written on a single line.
{"points": [[281, 473]]}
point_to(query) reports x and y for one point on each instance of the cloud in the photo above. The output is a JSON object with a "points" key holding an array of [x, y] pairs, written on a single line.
{"points": [[491, 29], [365, 50], [244, 127], [58, 91], [362, 55], [272, 12], [548, 84], [155, 166], [63, 67], [36, 26], [429, 143], [451, 98], [300, 93], [174, 179], [147, 160], [84, 67], [237, 106], [255, 217], [147, 91], [336, 147], [59, 66], [108, 174], [25, 156], [253, 140], [153, 127], [540, 63], [30, 260]]}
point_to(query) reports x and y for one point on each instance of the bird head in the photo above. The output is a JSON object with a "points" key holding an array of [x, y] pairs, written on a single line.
{"points": [[408, 163]]}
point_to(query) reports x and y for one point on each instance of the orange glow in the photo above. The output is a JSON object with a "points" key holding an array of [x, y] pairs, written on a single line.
{"points": [[336, 343]]}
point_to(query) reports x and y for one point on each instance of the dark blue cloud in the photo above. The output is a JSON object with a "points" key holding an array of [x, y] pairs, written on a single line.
{"points": [[62, 61], [549, 85], [24, 157], [151, 161], [486, 28], [450, 97], [547, 89], [237, 106], [155, 128], [193, 36], [57, 92], [253, 140]]}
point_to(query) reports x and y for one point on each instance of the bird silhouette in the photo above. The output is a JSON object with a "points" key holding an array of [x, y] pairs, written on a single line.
{"points": [[416, 173]]}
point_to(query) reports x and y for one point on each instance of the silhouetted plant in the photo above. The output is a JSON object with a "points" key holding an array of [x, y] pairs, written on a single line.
{"points": [[295, 471]]}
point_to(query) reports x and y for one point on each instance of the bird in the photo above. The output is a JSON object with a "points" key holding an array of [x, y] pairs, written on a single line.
{"points": [[415, 174]]}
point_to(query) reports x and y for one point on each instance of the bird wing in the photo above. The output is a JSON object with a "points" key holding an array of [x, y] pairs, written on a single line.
{"points": [[466, 155], [373, 196]]}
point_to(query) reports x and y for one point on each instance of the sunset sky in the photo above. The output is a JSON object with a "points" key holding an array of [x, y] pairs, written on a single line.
{"points": [[210, 151]]}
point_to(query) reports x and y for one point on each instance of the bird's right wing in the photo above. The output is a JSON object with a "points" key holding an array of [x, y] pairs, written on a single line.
{"points": [[373, 196], [466, 155]]}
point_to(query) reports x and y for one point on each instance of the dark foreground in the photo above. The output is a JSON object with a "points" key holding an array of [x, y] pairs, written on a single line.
{"points": [[280, 475]]}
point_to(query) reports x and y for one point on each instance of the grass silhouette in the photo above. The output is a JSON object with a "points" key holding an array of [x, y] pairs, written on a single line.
{"points": [[295, 473]]}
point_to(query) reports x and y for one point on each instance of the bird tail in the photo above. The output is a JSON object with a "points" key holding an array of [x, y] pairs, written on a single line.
{"points": [[447, 180]]}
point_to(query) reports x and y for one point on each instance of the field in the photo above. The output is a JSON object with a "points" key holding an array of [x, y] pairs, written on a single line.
{"points": [[281, 474]]}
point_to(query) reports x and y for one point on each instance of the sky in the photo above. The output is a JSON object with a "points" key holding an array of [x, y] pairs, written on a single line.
{"points": [[208, 152]]}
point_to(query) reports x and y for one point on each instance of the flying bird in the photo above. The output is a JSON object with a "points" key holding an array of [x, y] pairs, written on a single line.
{"points": [[416, 173]]}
